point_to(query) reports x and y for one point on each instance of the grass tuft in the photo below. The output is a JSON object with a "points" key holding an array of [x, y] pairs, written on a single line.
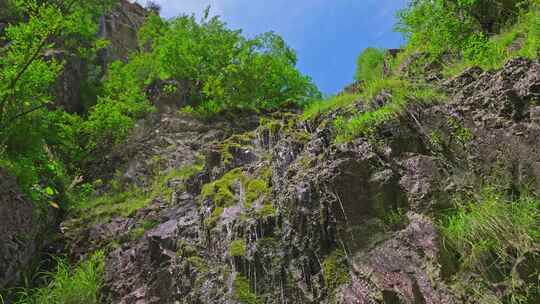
{"points": [[317, 108], [497, 238], [402, 93], [70, 286]]}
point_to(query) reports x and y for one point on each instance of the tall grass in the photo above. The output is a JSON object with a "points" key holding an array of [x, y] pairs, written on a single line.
{"points": [[326, 105], [401, 94], [498, 239], [69, 286]]}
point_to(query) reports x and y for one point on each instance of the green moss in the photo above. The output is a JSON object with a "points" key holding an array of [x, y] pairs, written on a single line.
{"points": [[126, 203], [214, 217], [122, 204], [142, 227], [222, 194], [302, 136], [237, 248], [255, 189], [220, 191], [335, 270], [242, 291], [274, 126], [267, 211], [198, 263], [235, 143], [184, 249], [227, 151]]}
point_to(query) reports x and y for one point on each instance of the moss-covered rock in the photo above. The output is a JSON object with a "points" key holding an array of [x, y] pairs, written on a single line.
{"points": [[242, 291], [237, 248], [335, 271]]}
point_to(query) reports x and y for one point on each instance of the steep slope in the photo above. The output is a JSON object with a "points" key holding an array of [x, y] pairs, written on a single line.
{"points": [[282, 214], [412, 186]]}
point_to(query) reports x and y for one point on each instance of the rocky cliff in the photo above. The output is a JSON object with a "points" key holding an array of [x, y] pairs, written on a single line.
{"points": [[269, 207], [273, 211]]}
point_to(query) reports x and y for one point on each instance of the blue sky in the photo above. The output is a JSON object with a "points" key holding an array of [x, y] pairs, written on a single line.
{"points": [[327, 34]]}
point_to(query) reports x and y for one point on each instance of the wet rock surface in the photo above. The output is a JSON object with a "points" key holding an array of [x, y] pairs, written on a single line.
{"points": [[304, 220]]}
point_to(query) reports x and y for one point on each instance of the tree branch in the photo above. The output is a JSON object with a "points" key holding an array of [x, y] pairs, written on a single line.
{"points": [[25, 67]]}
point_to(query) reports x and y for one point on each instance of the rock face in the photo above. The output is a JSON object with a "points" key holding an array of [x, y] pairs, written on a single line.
{"points": [[22, 232], [280, 214], [120, 27]]}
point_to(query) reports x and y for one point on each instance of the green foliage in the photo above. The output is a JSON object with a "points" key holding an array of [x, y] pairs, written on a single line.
{"points": [[123, 102], [369, 65], [40, 145], [496, 237], [395, 219], [319, 107], [242, 291], [145, 225], [401, 92], [335, 270], [472, 32], [220, 68], [214, 217], [462, 134], [442, 26], [70, 286], [237, 248], [267, 211]]}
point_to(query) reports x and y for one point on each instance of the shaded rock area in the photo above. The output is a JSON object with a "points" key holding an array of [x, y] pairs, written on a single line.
{"points": [[303, 220], [23, 231]]}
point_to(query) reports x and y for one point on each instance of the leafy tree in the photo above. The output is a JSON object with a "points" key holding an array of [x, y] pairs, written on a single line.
{"points": [[221, 68], [32, 134]]}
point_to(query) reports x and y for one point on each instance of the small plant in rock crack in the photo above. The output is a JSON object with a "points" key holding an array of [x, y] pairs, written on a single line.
{"points": [[460, 132], [435, 140], [396, 219]]}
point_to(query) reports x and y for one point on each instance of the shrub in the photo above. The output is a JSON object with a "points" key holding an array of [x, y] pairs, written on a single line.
{"points": [[369, 65], [442, 26]]}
